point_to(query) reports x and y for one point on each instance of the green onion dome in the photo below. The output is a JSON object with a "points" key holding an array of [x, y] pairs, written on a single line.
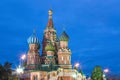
{"points": [[49, 47], [64, 37]]}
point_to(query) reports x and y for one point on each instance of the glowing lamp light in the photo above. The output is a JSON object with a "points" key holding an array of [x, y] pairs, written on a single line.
{"points": [[104, 75], [19, 70], [106, 70], [23, 57], [74, 75], [77, 65]]}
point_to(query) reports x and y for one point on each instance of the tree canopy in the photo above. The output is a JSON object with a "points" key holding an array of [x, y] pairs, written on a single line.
{"points": [[97, 73], [5, 70]]}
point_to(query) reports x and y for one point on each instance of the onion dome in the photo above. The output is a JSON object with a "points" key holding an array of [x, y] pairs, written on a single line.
{"points": [[49, 47], [64, 36], [33, 39]]}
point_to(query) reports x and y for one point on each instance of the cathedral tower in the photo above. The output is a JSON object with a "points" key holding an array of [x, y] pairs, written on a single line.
{"points": [[50, 57], [33, 61], [49, 36], [64, 53]]}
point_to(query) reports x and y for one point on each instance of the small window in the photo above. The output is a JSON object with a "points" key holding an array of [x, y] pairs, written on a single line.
{"points": [[62, 58]]}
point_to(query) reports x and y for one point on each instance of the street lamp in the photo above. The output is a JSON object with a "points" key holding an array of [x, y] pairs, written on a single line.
{"points": [[76, 66], [19, 71], [105, 71], [74, 76], [22, 59]]}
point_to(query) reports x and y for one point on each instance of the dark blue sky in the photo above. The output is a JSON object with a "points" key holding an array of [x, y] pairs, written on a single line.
{"points": [[93, 27]]}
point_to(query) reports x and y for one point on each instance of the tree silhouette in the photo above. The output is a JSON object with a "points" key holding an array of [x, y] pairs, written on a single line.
{"points": [[97, 73], [81, 72], [5, 71]]}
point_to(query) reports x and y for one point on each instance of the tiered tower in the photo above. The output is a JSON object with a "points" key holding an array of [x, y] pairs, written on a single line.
{"points": [[49, 38], [33, 61], [64, 53], [50, 57]]}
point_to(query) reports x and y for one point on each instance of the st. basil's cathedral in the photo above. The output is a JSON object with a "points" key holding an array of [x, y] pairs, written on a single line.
{"points": [[54, 63]]}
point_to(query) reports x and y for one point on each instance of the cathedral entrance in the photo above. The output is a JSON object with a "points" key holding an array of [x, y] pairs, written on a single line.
{"points": [[35, 77]]}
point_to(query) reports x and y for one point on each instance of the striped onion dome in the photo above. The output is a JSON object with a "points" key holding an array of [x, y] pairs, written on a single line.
{"points": [[64, 36], [33, 39], [49, 47]]}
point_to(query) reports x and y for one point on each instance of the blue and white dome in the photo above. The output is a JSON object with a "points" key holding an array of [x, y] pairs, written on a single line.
{"points": [[33, 39]]}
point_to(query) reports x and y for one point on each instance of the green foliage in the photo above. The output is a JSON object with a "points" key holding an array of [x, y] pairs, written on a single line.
{"points": [[5, 70], [81, 72], [97, 73], [75, 68], [13, 78], [1, 71]]}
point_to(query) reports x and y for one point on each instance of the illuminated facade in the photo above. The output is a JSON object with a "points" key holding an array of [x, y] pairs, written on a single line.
{"points": [[54, 63]]}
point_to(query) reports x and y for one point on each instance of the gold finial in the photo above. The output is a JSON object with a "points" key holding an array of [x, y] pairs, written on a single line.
{"points": [[50, 12]]}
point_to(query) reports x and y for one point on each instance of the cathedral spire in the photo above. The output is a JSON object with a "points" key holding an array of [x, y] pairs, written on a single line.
{"points": [[50, 21], [34, 32]]}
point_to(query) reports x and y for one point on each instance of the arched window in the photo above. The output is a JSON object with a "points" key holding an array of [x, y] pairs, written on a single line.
{"points": [[35, 77]]}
